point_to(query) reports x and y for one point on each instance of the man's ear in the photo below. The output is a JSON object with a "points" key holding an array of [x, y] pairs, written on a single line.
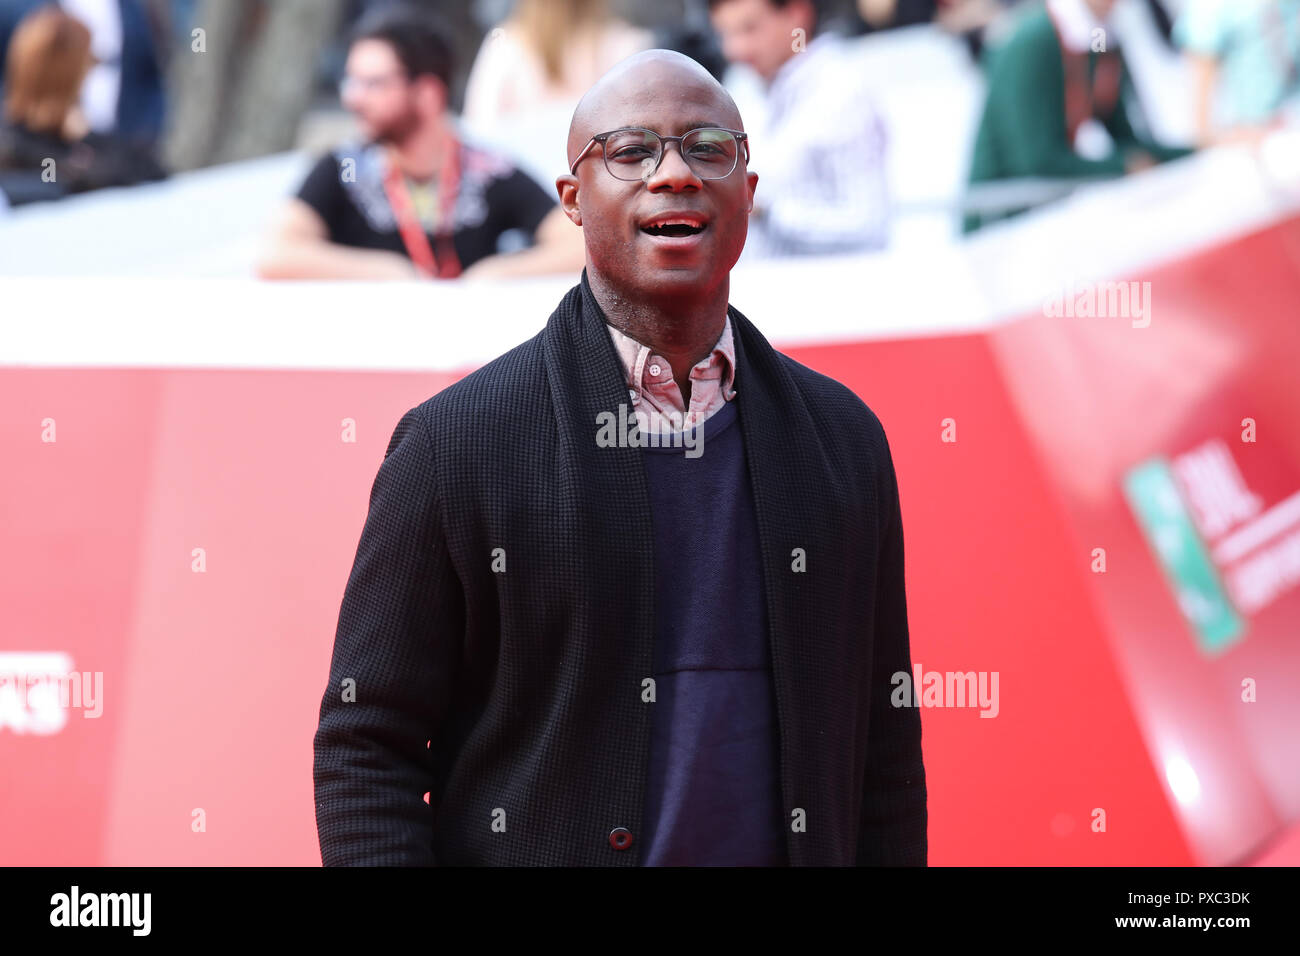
{"points": [[751, 180], [567, 187]]}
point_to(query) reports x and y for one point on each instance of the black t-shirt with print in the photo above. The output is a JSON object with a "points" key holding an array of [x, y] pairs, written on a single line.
{"points": [[346, 189]]}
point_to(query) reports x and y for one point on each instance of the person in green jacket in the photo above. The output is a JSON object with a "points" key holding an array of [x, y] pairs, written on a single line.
{"points": [[1053, 87]]}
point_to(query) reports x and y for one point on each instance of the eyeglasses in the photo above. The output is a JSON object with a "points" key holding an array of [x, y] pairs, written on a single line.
{"points": [[367, 84], [635, 153]]}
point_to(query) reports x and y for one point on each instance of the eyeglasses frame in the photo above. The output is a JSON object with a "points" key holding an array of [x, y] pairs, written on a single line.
{"points": [[741, 137]]}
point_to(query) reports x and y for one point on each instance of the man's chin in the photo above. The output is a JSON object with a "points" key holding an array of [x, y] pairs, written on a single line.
{"points": [[698, 269], [669, 279]]}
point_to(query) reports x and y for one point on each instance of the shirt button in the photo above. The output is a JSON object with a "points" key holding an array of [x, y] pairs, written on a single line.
{"points": [[655, 369], [631, 393], [620, 838]]}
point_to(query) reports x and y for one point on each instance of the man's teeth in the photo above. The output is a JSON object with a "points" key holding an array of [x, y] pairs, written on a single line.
{"points": [[674, 227]]}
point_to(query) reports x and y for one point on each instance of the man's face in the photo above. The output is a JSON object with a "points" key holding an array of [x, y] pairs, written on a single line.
{"points": [[616, 214], [377, 92], [758, 33], [1101, 9]]}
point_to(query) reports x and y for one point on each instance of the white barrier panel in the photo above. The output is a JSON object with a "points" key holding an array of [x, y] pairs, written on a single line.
{"points": [[1115, 229]]}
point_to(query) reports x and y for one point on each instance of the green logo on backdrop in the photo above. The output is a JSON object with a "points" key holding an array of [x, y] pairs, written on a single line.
{"points": [[1154, 497]]}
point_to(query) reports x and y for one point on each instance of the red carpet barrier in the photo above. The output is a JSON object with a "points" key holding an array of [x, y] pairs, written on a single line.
{"points": [[189, 533]]}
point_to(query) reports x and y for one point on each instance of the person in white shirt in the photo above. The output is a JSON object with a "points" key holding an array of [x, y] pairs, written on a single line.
{"points": [[821, 145], [547, 54]]}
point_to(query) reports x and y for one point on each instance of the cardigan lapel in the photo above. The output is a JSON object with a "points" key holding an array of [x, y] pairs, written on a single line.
{"points": [[608, 565], [792, 480], [586, 381]]}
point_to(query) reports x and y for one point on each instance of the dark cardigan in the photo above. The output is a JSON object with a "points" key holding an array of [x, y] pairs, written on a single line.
{"points": [[509, 683]]}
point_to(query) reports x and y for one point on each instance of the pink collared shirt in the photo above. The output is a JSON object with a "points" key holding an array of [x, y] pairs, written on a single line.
{"points": [[656, 399]]}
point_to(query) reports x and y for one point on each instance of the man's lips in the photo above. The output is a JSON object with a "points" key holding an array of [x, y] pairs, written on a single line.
{"points": [[675, 224], [675, 228]]}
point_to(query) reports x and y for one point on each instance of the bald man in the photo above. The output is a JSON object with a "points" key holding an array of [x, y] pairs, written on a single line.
{"points": [[576, 632]]}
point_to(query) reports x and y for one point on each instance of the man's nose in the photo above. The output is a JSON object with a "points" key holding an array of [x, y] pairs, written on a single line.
{"points": [[673, 169]]}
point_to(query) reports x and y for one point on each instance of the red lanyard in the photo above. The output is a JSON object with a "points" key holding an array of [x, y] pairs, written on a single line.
{"points": [[446, 264], [1087, 96]]}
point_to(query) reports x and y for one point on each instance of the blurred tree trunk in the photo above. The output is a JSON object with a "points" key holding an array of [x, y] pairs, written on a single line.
{"points": [[277, 85], [244, 83], [201, 74]]}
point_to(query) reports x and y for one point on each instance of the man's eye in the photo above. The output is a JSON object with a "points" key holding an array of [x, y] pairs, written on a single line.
{"points": [[632, 153], [708, 150]]}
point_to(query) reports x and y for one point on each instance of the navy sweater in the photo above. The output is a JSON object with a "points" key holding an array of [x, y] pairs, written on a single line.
{"points": [[713, 785]]}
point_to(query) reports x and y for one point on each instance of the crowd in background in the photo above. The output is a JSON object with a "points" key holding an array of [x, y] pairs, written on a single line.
{"points": [[100, 93]]}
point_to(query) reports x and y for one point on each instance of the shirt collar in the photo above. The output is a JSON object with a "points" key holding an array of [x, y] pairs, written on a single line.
{"points": [[635, 358]]}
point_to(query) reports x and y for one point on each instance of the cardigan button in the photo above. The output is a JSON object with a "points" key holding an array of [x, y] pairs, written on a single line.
{"points": [[620, 838]]}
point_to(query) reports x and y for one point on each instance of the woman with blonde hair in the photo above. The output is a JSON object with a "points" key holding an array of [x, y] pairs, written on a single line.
{"points": [[47, 148], [531, 71], [547, 52]]}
